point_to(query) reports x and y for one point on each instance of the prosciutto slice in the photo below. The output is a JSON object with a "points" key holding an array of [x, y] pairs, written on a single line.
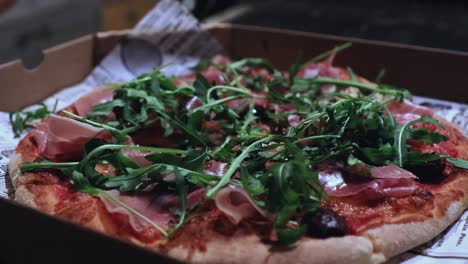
{"points": [[215, 168], [324, 69], [236, 204], [390, 171], [155, 206], [385, 181], [62, 138], [98, 96], [407, 111], [137, 156]]}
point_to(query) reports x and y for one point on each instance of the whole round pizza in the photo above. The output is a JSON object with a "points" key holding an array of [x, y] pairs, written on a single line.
{"points": [[240, 162]]}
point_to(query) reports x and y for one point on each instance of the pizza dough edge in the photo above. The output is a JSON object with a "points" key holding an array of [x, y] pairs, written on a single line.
{"points": [[391, 240], [249, 249]]}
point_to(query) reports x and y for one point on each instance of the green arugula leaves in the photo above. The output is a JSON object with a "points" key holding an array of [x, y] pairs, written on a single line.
{"points": [[274, 160]]}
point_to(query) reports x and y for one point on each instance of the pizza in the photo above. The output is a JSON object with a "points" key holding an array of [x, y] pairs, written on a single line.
{"points": [[240, 162]]}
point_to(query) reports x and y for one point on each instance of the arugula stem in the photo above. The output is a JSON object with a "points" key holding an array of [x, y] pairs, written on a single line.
{"points": [[229, 88], [132, 129], [133, 211], [90, 122], [317, 137], [45, 165], [327, 54], [234, 167], [102, 148], [372, 88], [216, 102], [176, 91], [183, 127]]}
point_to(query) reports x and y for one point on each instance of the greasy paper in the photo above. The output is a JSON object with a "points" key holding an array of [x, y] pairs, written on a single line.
{"points": [[169, 35]]}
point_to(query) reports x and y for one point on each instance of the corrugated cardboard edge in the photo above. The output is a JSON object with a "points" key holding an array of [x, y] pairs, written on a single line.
{"points": [[62, 66], [425, 71]]}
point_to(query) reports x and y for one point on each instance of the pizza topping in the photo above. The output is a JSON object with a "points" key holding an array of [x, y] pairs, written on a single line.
{"points": [[325, 223], [84, 105], [157, 207], [390, 171], [253, 138], [407, 111], [236, 203], [137, 156], [431, 172], [22, 120], [391, 183], [154, 208], [64, 138], [214, 167]]}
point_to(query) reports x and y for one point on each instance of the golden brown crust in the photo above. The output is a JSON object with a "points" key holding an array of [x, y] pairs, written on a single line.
{"points": [[249, 249], [391, 240]]}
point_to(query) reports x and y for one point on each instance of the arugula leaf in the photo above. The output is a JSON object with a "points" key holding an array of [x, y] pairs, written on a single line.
{"points": [[21, 120], [328, 53], [378, 156], [401, 136], [460, 163], [422, 134], [201, 86], [251, 62], [182, 190], [202, 64], [381, 89], [295, 68], [192, 159], [251, 184], [415, 158], [235, 164], [288, 236]]}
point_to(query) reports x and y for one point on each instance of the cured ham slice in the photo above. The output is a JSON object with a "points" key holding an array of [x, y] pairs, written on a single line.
{"points": [[236, 204], [137, 156], [156, 207], [407, 111], [98, 96], [213, 75], [390, 171], [386, 181], [214, 167], [324, 69], [193, 103], [62, 138]]}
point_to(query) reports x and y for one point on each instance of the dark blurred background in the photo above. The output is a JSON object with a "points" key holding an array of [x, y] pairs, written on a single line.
{"points": [[28, 26]]}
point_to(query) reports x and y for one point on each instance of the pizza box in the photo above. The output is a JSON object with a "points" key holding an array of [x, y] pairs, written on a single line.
{"points": [[27, 235]]}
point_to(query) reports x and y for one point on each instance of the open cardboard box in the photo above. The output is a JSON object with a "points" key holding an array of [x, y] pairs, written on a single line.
{"points": [[27, 235]]}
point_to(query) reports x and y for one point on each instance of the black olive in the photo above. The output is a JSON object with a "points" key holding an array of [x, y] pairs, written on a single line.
{"points": [[324, 223], [429, 172]]}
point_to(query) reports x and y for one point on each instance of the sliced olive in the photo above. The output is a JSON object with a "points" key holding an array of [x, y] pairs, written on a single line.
{"points": [[430, 172], [324, 223]]}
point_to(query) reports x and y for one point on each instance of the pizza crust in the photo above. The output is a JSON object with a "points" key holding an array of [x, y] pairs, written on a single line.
{"points": [[249, 249], [13, 167], [24, 196], [394, 239]]}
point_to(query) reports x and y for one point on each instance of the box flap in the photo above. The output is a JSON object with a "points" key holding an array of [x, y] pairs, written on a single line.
{"points": [[61, 66]]}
